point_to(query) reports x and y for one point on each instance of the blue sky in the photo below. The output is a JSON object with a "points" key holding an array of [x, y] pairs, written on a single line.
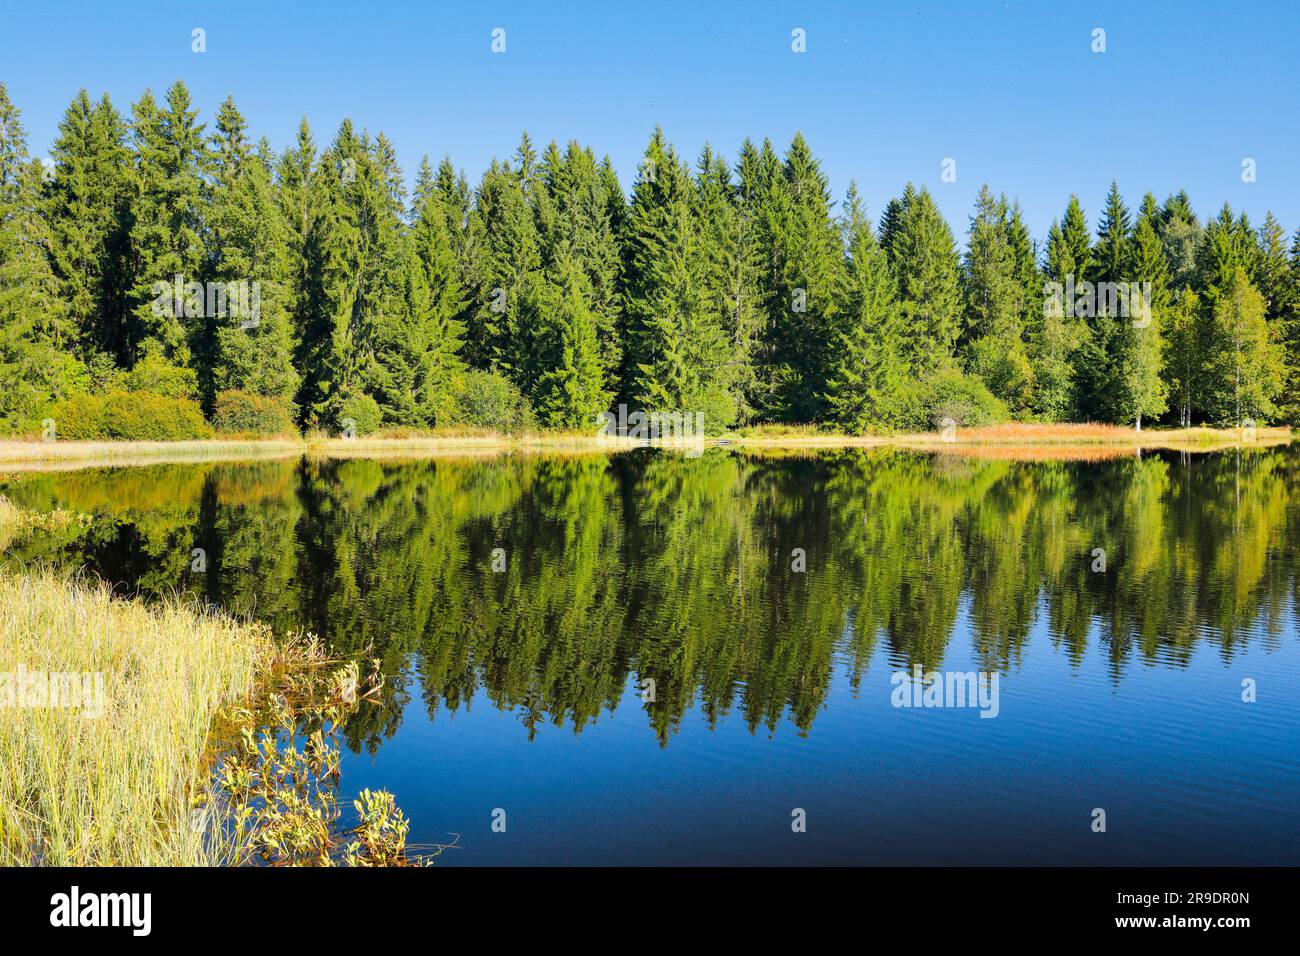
{"points": [[885, 92]]}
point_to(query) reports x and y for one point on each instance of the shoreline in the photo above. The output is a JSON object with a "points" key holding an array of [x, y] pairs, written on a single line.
{"points": [[1059, 440]]}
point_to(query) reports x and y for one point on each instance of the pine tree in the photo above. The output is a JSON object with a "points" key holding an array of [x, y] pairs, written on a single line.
{"points": [[575, 214], [85, 205], [731, 274], [1098, 369], [415, 378], [327, 341], [166, 242], [867, 379], [1290, 335], [249, 255], [993, 337], [1224, 249], [36, 332], [1273, 271], [927, 268], [1180, 234], [809, 272], [507, 274], [1140, 346], [1056, 351], [571, 392], [676, 345]]}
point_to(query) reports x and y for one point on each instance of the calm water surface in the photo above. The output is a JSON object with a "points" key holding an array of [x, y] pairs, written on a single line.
{"points": [[522, 689]]}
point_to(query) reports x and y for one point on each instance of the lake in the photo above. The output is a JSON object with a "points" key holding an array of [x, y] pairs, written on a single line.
{"points": [[647, 658]]}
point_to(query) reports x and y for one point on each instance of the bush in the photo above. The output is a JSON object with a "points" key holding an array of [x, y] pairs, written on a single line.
{"points": [[718, 407], [154, 373], [129, 416], [238, 412], [364, 413], [490, 400], [951, 395]]}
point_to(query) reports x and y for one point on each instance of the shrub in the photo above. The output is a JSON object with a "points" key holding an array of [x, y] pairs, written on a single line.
{"points": [[129, 416], [949, 394], [490, 400], [363, 411], [718, 407], [238, 412], [154, 373]]}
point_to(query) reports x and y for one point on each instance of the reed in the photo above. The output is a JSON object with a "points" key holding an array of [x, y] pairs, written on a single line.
{"points": [[121, 780]]}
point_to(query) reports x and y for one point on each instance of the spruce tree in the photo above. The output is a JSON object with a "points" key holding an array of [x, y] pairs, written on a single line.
{"points": [[1180, 234], [730, 252], [867, 382], [993, 337], [37, 335], [676, 345], [1098, 366], [571, 393], [166, 242], [85, 206], [249, 255], [1140, 345], [927, 267]]}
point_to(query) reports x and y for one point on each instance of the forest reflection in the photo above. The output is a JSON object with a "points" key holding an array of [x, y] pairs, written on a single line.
{"points": [[649, 565]]}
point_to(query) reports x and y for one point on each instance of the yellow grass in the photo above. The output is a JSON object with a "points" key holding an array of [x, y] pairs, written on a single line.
{"points": [[1090, 434], [120, 783], [409, 443]]}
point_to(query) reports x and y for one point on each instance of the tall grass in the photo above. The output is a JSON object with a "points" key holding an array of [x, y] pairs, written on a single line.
{"points": [[122, 788]]}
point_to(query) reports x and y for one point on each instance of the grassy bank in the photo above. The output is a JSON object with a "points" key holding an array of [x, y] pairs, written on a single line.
{"points": [[170, 735], [118, 779], [37, 455]]}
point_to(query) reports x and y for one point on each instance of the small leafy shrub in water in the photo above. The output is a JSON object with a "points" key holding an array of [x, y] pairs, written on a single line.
{"points": [[243, 413], [129, 416], [279, 780]]}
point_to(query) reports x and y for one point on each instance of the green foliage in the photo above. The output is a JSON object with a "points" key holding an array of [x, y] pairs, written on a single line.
{"points": [[129, 416], [156, 374], [360, 413], [490, 400], [1247, 366], [245, 413], [867, 375], [952, 396], [736, 291]]}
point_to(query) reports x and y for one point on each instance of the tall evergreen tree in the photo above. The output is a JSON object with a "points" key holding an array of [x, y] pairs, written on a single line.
{"points": [[993, 337], [867, 382], [676, 345], [571, 392], [927, 268], [86, 209], [166, 240], [37, 335], [729, 241], [1098, 370], [249, 255]]}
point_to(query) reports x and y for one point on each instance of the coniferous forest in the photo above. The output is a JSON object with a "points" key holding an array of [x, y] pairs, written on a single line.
{"points": [[162, 276]]}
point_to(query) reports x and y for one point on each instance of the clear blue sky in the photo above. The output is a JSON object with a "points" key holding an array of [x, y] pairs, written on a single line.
{"points": [[884, 93]]}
